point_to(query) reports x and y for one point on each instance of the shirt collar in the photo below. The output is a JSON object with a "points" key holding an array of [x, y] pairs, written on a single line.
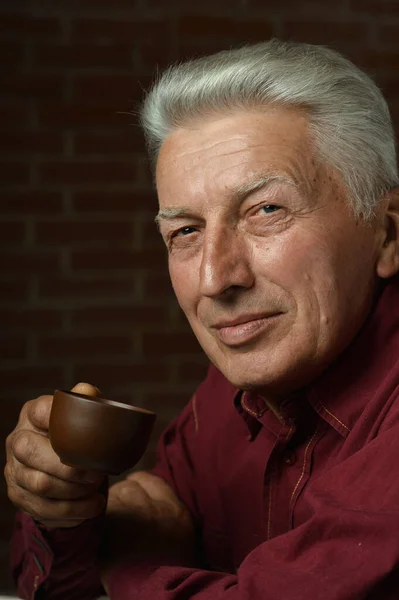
{"points": [[341, 393]]}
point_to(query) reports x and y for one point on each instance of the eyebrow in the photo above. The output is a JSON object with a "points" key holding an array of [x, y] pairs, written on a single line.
{"points": [[239, 193]]}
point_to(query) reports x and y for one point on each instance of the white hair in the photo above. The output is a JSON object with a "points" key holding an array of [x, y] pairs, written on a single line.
{"points": [[348, 115]]}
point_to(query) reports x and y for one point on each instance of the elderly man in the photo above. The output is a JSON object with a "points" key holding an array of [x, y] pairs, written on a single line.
{"points": [[278, 189]]}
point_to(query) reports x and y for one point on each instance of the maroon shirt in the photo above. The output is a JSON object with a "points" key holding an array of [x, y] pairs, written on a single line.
{"points": [[308, 508]]}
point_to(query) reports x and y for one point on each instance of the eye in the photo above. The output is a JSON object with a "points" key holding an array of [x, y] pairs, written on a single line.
{"points": [[182, 232], [269, 208]]}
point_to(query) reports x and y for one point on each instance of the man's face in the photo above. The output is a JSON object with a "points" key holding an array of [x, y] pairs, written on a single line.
{"points": [[272, 270]]}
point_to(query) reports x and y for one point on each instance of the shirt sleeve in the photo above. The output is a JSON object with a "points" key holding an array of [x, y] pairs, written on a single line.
{"points": [[347, 550], [174, 460], [56, 564]]}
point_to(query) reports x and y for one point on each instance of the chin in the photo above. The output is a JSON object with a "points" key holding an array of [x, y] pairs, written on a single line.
{"points": [[279, 376], [244, 378]]}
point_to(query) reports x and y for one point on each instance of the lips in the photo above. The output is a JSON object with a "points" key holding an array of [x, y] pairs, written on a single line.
{"points": [[245, 328]]}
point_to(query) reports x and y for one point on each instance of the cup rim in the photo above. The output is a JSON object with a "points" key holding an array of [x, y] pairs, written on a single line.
{"points": [[105, 401]]}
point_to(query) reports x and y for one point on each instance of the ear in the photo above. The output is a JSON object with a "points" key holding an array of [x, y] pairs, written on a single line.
{"points": [[388, 257]]}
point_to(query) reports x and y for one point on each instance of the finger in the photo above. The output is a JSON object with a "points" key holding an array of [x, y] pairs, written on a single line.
{"points": [[47, 509], [154, 486], [30, 449], [37, 412], [86, 388], [47, 486]]}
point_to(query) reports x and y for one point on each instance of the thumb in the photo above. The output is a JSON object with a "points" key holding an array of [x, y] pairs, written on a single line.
{"points": [[86, 388]]}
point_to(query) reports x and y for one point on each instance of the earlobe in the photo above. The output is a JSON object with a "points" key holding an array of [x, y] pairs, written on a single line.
{"points": [[388, 257]]}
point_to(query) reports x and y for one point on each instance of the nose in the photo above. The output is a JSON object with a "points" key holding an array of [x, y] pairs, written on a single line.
{"points": [[225, 264]]}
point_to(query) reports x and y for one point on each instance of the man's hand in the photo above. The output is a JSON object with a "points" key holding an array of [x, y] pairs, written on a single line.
{"points": [[145, 520], [38, 483]]}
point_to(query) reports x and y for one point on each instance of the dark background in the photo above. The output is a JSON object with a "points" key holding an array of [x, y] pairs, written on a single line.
{"points": [[84, 288]]}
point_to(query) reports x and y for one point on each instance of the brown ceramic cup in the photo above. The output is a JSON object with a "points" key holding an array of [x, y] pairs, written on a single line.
{"points": [[98, 434]]}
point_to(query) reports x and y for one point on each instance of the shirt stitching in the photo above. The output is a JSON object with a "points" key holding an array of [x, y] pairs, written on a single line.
{"points": [[40, 543], [303, 466], [334, 417], [39, 566], [244, 405], [35, 586], [269, 519]]}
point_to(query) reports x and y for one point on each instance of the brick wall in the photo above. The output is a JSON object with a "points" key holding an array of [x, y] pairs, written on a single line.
{"points": [[84, 288]]}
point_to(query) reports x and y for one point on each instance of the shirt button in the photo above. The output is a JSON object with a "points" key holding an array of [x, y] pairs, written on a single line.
{"points": [[289, 458]]}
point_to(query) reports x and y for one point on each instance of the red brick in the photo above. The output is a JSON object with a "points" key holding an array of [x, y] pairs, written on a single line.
{"points": [[29, 262], [193, 371], [114, 202], [115, 316], [193, 47], [96, 4], [154, 54], [163, 401], [33, 85], [31, 142], [29, 26], [376, 7], [32, 202], [125, 90], [388, 33], [160, 343], [125, 142], [293, 7], [118, 259], [82, 115], [82, 56], [11, 54], [389, 87], [13, 172], [31, 376], [230, 5], [79, 346], [85, 288], [30, 319], [379, 60], [127, 30], [11, 233], [13, 115], [12, 291], [73, 172], [151, 237], [13, 348], [106, 374], [212, 26], [325, 31], [85, 232], [158, 284]]}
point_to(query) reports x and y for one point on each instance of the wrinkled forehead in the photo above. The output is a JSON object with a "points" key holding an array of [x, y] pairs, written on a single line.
{"points": [[223, 151]]}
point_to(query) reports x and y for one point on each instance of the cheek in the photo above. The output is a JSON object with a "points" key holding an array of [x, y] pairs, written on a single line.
{"points": [[293, 259], [184, 284]]}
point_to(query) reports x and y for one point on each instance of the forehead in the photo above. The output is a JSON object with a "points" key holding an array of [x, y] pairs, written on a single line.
{"points": [[224, 151]]}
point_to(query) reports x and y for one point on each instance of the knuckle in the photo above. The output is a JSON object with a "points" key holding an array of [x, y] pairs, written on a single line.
{"points": [[17, 496], [41, 483], [9, 442], [8, 472], [22, 445], [24, 414]]}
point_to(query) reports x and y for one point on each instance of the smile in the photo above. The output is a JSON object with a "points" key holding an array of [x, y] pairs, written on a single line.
{"points": [[243, 332]]}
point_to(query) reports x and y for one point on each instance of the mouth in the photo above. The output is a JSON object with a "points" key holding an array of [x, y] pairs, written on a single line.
{"points": [[244, 329]]}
